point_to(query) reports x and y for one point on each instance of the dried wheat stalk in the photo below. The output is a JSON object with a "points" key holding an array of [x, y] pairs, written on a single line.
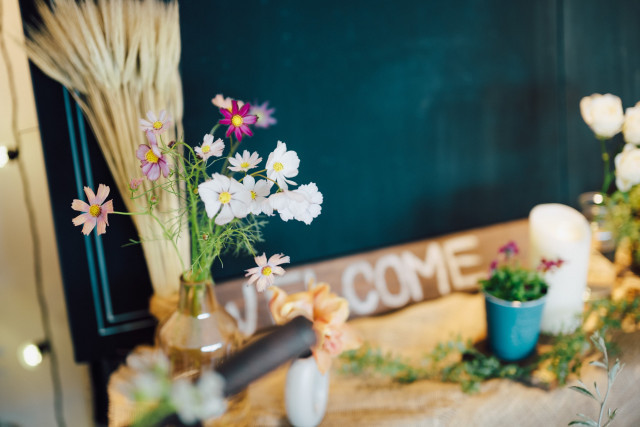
{"points": [[119, 59]]}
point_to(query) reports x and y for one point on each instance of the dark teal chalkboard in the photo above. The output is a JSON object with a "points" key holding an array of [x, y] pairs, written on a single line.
{"points": [[414, 120]]}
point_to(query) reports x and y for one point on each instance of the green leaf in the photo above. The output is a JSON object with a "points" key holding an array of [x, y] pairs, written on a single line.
{"points": [[583, 391], [598, 364], [615, 371], [598, 341]]}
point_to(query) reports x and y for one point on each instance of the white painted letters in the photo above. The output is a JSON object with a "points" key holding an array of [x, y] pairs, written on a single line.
{"points": [[369, 304], [389, 299], [457, 262], [433, 264]]}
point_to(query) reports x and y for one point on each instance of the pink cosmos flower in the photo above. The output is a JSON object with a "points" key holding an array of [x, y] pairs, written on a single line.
{"points": [[329, 314], [264, 114], [264, 273], [210, 148], [135, 183], [238, 119], [221, 102], [155, 124], [95, 212], [152, 159]]}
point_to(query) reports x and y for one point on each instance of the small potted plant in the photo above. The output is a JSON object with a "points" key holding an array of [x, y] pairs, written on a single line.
{"points": [[514, 299]]}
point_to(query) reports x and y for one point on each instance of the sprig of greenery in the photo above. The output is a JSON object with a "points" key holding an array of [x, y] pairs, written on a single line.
{"points": [[454, 361], [460, 362], [612, 373]]}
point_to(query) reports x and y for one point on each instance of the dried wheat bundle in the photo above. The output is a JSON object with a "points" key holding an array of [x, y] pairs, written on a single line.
{"points": [[119, 59]]}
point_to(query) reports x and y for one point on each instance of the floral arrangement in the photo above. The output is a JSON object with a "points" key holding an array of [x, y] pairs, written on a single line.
{"points": [[604, 115], [510, 281], [329, 314], [222, 209]]}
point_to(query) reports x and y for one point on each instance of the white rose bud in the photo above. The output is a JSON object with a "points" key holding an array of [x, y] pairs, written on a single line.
{"points": [[631, 126], [603, 114], [628, 167]]}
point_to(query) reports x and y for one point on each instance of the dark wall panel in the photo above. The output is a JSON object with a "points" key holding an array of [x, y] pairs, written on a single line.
{"points": [[414, 120]]}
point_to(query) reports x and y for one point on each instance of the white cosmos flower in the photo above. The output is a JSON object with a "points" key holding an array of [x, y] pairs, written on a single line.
{"points": [[603, 114], [264, 273], [156, 124], [201, 401], [226, 195], [302, 204], [631, 126], [245, 162], [282, 164], [259, 193], [210, 148], [149, 372], [628, 167]]}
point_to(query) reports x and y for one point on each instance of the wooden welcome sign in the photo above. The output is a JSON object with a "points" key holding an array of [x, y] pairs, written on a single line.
{"points": [[381, 280]]}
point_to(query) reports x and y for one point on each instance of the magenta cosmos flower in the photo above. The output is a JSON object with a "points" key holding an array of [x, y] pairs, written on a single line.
{"points": [[152, 159], [238, 119], [95, 212]]}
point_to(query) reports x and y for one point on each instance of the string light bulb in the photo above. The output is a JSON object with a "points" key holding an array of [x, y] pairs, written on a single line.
{"points": [[30, 355], [6, 155]]}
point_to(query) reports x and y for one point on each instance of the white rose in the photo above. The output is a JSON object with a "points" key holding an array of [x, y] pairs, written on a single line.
{"points": [[631, 126], [628, 167], [603, 114]]}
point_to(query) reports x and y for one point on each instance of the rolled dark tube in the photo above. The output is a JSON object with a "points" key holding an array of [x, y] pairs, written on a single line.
{"points": [[287, 342]]}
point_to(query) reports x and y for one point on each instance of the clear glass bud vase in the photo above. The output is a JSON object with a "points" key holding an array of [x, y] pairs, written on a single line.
{"points": [[198, 336]]}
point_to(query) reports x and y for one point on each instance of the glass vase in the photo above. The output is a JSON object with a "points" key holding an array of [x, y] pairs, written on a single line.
{"points": [[198, 336]]}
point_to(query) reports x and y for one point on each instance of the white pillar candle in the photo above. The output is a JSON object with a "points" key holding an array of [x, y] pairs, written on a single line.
{"points": [[559, 231]]}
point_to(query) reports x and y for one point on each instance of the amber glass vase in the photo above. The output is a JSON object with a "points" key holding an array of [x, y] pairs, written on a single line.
{"points": [[198, 336]]}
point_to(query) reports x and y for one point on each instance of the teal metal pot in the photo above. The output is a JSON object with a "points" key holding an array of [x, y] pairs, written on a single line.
{"points": [[513, 327]]}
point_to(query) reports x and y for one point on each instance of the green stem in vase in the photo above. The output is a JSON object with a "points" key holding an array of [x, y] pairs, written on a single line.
{"points": [[607, 169]]}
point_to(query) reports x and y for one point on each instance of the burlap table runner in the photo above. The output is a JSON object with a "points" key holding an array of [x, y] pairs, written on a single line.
{"points": [[360, 401], [414, 331]]}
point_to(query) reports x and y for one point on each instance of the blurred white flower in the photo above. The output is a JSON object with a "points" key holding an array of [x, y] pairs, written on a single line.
{"points": [[302, 204], [200, 401], [631, 125], [603, 114], [282, 164], [149, 375], [226, 195], [628, 167]]}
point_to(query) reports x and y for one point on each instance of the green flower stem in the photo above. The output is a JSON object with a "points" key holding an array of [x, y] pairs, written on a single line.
{"points": [[213, 129], [267, 178], [169, 237], [129, 213], [607, 167], [156, 415], [232, 150]]}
